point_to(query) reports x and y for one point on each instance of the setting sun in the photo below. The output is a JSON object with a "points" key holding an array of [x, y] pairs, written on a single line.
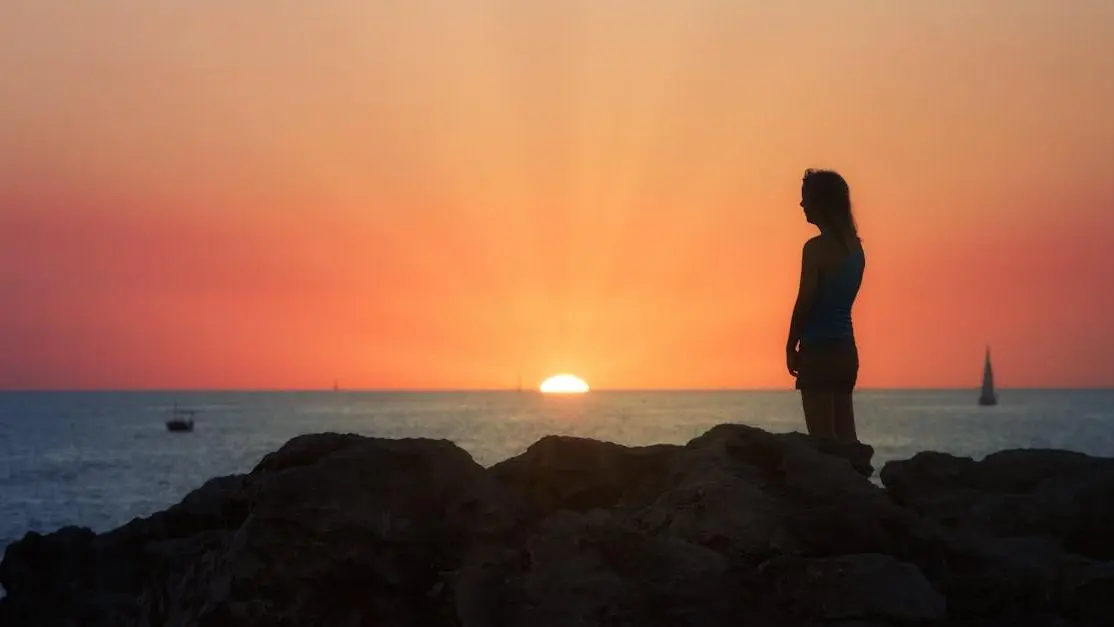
{"points": [[564, 384]]}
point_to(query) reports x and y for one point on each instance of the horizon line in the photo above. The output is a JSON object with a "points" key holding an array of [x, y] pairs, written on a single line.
{"points": [[420, 390]]}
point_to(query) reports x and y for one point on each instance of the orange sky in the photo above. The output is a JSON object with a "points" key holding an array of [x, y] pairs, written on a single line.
{"points": [[277, 193]]}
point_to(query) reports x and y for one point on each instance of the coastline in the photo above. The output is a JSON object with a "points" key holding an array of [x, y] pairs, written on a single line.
{"points": [[737, 525]]}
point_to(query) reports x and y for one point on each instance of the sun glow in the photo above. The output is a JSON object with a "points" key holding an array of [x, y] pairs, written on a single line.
{"points": [[564, 384]]}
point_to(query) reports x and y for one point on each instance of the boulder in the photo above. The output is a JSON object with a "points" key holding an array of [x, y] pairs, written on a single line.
{"points": [[592, 569], [580, 474], [867, 587], [754, 495], [346, 531], [1063, 496]]}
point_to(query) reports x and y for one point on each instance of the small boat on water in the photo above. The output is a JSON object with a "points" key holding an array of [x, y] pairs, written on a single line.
{"points": [[180, 419], [988, 397]]}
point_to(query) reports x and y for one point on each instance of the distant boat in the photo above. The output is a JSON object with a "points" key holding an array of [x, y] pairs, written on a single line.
{"points": [[180, 419], [988, 396]]}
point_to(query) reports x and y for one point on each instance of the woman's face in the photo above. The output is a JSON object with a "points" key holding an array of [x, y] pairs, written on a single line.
{"points": [[809, 207]]}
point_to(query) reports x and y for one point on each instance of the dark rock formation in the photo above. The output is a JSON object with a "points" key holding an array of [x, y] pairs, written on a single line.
{"points": [[1019, 534], [853, 587], [738, 527], [1063, 496]]}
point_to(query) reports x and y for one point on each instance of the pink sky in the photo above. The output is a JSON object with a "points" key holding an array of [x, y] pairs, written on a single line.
{"points": [[445, 195]]}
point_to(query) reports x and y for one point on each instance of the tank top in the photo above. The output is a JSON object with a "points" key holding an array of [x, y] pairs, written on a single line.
{"points": [[830, 316]]}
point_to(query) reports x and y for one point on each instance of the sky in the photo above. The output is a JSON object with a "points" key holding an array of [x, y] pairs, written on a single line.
{"points": [[275, 194]]}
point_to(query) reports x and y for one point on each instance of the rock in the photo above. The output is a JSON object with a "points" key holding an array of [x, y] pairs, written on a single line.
{"points": [[1016, 471], [1064, 496], [1085, 592], [998, 578], [592, 569], [853, 587], [579, 474], [219, 503], [767, 450], [357, 532], [753, 495], [305, 450], [738, 526], [55, 580]]}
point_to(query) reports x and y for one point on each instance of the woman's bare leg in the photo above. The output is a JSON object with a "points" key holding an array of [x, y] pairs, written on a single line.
{"points": [[819, 410], [843, 417]]}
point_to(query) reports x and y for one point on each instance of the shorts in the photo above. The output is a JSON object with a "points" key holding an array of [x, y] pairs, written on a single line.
{"points": [[830, 366]]}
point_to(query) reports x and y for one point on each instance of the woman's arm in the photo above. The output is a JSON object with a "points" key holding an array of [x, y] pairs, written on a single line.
{"points": [[806, 291]]}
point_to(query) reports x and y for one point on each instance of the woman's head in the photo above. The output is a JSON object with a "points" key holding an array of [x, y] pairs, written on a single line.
{"points": [[826, 199]]}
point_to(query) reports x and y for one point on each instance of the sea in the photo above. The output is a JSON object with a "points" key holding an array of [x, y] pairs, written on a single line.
{"points": [[99, 459]]}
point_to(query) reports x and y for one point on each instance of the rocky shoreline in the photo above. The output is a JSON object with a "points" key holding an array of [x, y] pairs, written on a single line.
{"points": [[737, 527]]}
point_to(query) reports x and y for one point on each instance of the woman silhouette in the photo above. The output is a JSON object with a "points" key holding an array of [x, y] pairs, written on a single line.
{"points": [[821, 352]]}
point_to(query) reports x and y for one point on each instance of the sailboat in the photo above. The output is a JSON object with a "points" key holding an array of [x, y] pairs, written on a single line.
{"points": [[988, 396], [180, 419]]}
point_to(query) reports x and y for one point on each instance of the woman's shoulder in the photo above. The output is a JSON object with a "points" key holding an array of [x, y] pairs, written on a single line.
{"points": [[814, 242], [815, 248], [830, 243]]}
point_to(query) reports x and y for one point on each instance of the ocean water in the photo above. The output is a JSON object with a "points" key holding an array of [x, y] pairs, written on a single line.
{"points": [[100, 459]]}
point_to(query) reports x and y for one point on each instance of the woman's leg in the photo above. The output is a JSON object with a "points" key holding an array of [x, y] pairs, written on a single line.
{"points": [[843, 420], [819, 410], [816, 395], [843, 417]]}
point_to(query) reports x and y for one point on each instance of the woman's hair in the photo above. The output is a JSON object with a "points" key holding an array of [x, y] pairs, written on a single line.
{"points": [[830, 198]]}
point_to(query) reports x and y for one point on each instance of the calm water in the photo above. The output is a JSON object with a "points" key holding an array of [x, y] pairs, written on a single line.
{"points": [[99, 459]]}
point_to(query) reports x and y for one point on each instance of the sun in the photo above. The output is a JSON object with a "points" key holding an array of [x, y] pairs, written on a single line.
{"points": [[564, 384]]}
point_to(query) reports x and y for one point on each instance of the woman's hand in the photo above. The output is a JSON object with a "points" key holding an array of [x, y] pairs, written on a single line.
{"points": [[792, 360]]}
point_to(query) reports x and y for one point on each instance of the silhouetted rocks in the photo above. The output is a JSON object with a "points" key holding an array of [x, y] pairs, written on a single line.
{"points": [[867, 587], [737, 527], [1063, 496], [1021, 533]]}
